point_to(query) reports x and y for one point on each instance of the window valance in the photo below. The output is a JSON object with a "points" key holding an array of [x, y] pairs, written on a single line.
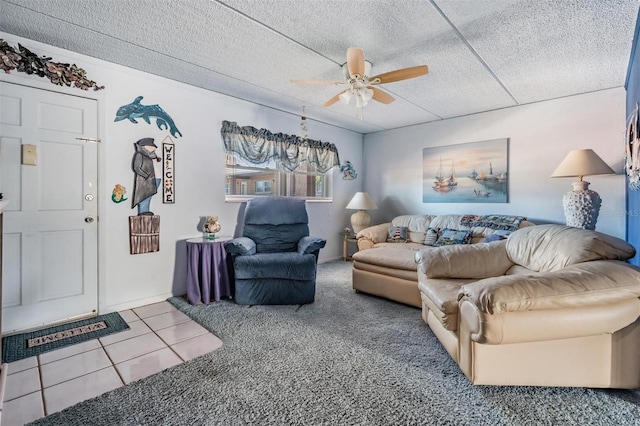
{"points": [[259, 146]]}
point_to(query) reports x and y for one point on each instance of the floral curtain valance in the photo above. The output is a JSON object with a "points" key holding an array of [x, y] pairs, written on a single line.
{"points": [[259, 146]]}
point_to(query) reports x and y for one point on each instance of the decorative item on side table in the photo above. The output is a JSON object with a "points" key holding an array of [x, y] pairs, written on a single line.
{"points": [[211, 226], [582, 205], [360, 219]]}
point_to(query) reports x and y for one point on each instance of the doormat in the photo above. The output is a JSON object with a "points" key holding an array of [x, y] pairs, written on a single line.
{"points": [[25, 345]]}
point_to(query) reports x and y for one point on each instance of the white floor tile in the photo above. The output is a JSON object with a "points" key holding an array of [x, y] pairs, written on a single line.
{"points": [[133, 348], [23, 410], [67, 351], [66, 376], [183, 331], [136, 328], [23, 364], [154, 309], [158, 322], [73, 366], [71, 392], [129, 316], [197, 346], [22, 383], [148, 364]]}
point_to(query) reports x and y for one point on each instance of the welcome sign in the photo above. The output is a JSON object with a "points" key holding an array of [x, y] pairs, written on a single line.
{"points": [[168, 155]]}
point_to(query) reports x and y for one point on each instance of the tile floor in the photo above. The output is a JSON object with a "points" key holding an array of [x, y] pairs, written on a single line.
{"points": [[159, 337]]}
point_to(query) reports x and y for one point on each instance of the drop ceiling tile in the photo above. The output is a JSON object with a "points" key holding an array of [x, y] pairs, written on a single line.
{"points": [[537, 49], [547, 49]]}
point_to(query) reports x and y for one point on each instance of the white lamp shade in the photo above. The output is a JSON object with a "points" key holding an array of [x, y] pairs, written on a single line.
{"points": [[582, 162], [361, 201], [360, 219], [345, 97]]}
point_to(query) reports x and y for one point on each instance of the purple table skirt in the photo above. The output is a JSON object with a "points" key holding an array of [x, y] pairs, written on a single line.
{"points": [[208, 277]]}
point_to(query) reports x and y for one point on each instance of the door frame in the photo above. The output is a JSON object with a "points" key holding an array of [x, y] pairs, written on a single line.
{"points": [[36, 82]]}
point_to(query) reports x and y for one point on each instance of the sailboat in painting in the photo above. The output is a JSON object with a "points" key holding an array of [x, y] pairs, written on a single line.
{"points": [[452, 176], [442, 182]]}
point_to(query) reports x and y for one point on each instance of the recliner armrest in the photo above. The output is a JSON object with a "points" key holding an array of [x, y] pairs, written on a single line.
{"points": [[240, 246], [310, 244]]}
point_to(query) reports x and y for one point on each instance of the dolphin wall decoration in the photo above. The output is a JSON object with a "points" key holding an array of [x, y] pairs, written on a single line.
{"points": [[136, 110]]}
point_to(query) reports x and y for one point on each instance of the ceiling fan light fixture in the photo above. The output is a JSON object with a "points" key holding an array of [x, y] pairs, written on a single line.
{"points": [[360, 83], [345, 97], [367, 94], [361, 99]]}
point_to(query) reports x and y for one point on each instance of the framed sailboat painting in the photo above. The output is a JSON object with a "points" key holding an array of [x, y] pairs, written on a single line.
{"points": [[475, 172]]}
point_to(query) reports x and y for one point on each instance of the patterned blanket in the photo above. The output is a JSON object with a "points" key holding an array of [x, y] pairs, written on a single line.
{"points": [[493, 221]]}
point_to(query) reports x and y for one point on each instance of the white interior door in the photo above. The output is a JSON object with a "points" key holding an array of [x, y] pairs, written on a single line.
{"points": [[50, 225]]}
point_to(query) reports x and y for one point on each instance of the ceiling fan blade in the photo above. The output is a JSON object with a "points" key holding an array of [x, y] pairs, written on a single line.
{"points": [[319, 82], [333, 100], [397, 75], [381, 96], [355, 62]]}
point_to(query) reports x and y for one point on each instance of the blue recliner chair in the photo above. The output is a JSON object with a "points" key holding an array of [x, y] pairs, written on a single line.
{"points": [[275, 260]]}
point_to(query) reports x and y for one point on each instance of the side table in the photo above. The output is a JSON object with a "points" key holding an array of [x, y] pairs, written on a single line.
{"points": [[348, 238], [208, 270]]}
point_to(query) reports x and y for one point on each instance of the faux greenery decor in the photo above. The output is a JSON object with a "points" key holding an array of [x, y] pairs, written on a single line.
{"points": [[60, 74]]}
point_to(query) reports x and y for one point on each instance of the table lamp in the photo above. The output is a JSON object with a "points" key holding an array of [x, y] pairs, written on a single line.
{"points": [[360, 219], [581, 205]]}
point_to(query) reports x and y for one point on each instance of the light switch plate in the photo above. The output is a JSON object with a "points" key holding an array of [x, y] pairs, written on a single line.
{"points": [[29, 155]]}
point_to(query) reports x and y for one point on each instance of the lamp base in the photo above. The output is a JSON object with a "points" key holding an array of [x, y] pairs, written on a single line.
{"points": [[359, 221], [581, 207]]}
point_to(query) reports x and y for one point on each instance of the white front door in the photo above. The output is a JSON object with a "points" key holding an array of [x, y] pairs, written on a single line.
{"points": [[50, 225]]}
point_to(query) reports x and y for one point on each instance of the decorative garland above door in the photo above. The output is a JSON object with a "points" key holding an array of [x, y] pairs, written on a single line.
{"points": [[58, 73]]}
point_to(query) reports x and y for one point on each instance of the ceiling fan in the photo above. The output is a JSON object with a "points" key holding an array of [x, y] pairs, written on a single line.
{"points": [[361, 86]]}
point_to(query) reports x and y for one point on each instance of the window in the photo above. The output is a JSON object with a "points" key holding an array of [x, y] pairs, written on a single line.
{"points": [[263, 187], [260, 163], [244, 180]]}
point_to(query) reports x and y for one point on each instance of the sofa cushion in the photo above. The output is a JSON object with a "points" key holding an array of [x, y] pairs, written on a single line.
{"points": [[397, 234], [390, 257], [464, 261], [416, 225], [584, 284], [384, 271], [551, 247], [441, 297]]}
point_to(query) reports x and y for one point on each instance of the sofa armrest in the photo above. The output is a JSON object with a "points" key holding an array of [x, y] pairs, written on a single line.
{"points": [[240, 246], [372, 235], [310, 244], [464, 261], [584, 284]]}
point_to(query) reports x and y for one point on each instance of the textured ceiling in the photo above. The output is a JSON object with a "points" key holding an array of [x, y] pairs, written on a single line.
{"points": [[482, 54]]}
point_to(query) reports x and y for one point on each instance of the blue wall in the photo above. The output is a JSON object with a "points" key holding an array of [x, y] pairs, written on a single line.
{"points": [[633, 96]]}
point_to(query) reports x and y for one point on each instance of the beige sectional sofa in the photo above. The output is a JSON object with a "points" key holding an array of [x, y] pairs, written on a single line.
{"points": [[551, 305], [389, 269]]}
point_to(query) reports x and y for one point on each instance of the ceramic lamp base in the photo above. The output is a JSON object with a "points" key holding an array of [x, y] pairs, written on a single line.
{"points": [[581, 206], [359, 221]]}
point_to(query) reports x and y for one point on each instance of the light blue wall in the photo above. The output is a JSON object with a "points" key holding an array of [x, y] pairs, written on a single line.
{"points": [[540, 136], [126, 280]]}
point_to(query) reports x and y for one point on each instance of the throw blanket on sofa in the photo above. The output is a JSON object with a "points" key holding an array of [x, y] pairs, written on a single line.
{"points": [[493, 221]]}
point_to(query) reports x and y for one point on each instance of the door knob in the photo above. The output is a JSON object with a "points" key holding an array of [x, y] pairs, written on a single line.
{"points": [[88, 219]]}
